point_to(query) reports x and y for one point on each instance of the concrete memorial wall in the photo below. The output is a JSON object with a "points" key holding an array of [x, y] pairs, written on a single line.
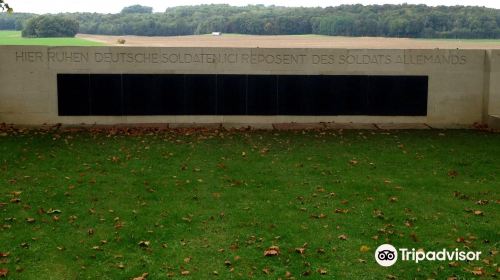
{"points": [[131, 85]]}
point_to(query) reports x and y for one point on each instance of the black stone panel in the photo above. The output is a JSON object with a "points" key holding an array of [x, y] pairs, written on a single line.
{"points": [[262, 95], [106, 96], [200, 95], [349, 95], [73, 97], [231, 94], [153, 94], [296, 95], [401, 96], [185, 94]]}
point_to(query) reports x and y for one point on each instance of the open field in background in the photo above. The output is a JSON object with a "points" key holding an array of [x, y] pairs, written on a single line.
{"points": [[252, 41], [293, 41], [207, 204], [14, 38]]}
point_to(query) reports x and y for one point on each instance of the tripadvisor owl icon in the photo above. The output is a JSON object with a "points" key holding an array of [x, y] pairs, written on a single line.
{"points": [[386, 255]]}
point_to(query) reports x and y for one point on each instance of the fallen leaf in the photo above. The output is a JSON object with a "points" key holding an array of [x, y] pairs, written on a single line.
{"points": [[142, 277], [144, 243], [478, 213], [53, 211], [322, 271], [364, 249], [482, 202], [185, 272], [452, 173], [187, 260], [300, 250], [272, 251], [4, 272], [342, 237], [478, 271]]}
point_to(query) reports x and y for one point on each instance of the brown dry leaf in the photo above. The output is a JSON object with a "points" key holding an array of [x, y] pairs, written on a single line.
{"points": [[288, 274], [482, 202], [30, 220], [185, 272], [4, 255], [15, 200], [342, 237], [393, 199], [478, 213], [478, 271], [144, 243], [4, 272], [266, 270], [391, 277], [364, 249], [227, 263], [216, 195], [318, 216], [300, 250], [353, 162], [187, 260], [272, 251], [322, 271], [460, 240], [341, 211], [452, 173], [142, 277], [454, 264], [452, 278]]}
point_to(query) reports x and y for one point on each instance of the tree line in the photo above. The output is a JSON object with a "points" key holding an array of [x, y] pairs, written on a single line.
{"points": [[414, 21]]}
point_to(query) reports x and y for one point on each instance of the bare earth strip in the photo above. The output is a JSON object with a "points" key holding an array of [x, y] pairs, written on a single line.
{"points": [[293, 41]]}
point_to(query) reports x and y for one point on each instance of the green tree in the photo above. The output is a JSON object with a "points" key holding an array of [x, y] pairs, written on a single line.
{"points": [[5, 7], [50, 26], [137, 9]]}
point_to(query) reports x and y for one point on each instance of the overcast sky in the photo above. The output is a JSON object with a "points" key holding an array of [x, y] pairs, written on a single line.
{"points": [[114, 6]]}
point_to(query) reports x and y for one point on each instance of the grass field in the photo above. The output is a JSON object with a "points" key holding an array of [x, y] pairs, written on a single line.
{"points": [[207, 205], [14, 38]]}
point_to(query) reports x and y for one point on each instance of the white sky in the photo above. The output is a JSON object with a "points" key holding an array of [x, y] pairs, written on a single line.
{"points": [[114, 6]]}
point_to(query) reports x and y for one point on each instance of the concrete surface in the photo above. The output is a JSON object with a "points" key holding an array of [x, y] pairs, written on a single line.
{"points": [[464, 85]]}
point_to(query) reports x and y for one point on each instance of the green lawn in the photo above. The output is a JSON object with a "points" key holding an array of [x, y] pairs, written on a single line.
{"points": [[14, 38], [105, 205]]}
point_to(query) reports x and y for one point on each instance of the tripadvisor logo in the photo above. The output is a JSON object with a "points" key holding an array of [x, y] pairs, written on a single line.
{"points": [[387, 255]]}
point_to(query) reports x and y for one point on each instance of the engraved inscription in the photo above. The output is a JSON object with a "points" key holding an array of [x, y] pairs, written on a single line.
{"points": [[237, 58]]}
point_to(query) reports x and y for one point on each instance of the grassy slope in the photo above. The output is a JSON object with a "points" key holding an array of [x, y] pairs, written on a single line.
{"points": [[14, 38], [215, 197]]}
